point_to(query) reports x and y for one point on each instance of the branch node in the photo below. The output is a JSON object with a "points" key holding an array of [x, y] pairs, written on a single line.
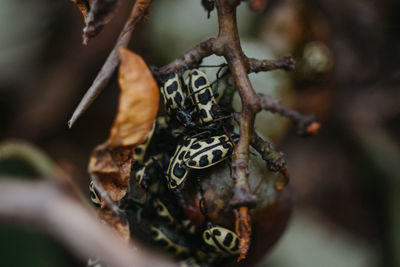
{"points": [[286, 63], [242, 197]]}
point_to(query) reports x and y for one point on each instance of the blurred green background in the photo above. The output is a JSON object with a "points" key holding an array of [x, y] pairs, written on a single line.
{"points": [[346, 179]]}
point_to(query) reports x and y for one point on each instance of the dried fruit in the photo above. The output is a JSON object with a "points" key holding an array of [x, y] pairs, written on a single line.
{"points": [[268, 218]]}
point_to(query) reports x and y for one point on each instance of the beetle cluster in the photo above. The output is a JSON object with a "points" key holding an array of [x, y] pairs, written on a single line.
{"points": [[206, 140], [194, 135]]}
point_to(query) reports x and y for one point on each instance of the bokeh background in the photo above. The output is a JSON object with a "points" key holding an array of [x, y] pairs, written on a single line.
{"points": [[346, 179]]}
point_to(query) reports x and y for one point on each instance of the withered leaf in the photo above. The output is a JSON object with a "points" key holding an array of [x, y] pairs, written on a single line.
{"points": [[138, 104], [110, 162], [100, 13], [84, 6], [112, 168]]}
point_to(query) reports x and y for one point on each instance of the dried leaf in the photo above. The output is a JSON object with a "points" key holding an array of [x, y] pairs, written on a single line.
{"points": [[110, 163], [100, 13], [84, 6], [138, 104], [112, 168]]}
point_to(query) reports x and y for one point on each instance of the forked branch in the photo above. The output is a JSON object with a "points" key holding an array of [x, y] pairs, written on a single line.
{"points": [[227, 44]]}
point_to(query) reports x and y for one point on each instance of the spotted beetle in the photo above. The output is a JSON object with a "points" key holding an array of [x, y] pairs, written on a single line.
{"points": [[177, 170], [201, 95], [94, 196], [221, 240], [162, 211], [192, 107], [176, 101], [188, 227], [140, 150], [205, 153], [172, 93], [169, 241], [149, 170], [169, 214], [196, 153]]}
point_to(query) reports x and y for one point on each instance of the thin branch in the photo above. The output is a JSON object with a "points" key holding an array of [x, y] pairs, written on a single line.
{"points": [[106, 197], [275, 159], [242, 198], [189, 60], [306, 124], [138, 13], [286, 63], [48, 207], [232, 51]]}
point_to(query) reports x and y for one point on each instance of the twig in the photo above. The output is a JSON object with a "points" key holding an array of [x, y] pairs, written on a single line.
{"points": [[106, 197], [275, 159], [48, 207], [188, 60], [138, 13], [306, 124], [286, 63]]}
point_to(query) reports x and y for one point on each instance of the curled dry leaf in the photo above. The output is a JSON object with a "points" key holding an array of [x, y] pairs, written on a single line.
{"points": [[138, 104], [110, 163], [84, 6], [100, 13], [112, 168]]}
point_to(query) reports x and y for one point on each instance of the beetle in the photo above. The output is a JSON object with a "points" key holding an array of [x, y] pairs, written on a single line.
{"points": [[207, 152], [195, 153], [172, 93], [148, 171], [221, 240], [140, 150], [177, 170], [169, 240], [190, 107], [188, 227], [170, 214], [201, 95], [162, 211], [94, 196], [176, 101]]}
